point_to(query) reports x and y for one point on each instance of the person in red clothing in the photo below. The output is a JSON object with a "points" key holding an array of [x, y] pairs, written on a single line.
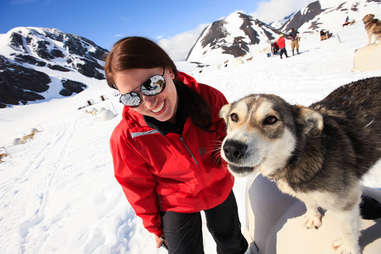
{"points": [[282, 46], [165, 150]]}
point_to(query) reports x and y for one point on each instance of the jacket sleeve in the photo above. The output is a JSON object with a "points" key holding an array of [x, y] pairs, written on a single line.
{"points": [[216, 101], [138, 183], [219, 101]]}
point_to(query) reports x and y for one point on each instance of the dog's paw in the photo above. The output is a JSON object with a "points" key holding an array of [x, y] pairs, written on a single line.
{"points": [[312, 220], [345, 248]]}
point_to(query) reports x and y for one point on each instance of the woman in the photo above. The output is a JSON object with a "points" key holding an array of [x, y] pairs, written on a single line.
{"points": [[165, 150]]}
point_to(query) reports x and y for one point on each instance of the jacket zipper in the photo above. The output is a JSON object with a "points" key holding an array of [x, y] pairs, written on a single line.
{"points": [[190, 152]]}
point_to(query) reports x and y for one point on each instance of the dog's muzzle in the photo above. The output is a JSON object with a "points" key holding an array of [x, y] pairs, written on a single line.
{"points": [[234, 150]]}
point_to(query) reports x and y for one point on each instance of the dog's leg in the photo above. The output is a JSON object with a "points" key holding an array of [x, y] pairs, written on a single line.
{"points": [[369, 38], [312, 217], [349, 222], [350, 227]]}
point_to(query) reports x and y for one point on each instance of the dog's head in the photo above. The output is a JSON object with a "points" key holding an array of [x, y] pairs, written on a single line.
{"points": [[368, 18], [263, 131]]}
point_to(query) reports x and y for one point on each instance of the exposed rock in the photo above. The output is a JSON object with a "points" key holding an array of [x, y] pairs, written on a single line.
{"points": [[74, 46], [57, 53], [248, 29], [238, 48], [55, 36], [20, 84], [89, 69], [29, 59], [17, 42], [57, 67], [215, 33], [298, 19], [42, 50], [71, 87], [65, 92]]}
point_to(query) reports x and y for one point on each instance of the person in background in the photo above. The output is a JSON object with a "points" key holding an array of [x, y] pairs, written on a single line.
{"points": [[165, 150], [294, 37], [282, 46], [274, 48]]}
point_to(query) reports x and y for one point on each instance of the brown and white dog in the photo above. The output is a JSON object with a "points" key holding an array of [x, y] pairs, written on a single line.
{"points": [[317, 154], [372, 27]]}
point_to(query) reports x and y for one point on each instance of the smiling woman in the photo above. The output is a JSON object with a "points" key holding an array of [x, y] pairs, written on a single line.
{"points": [[164, 150]]}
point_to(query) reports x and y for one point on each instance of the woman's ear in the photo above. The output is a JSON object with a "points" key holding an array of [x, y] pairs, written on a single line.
{"points": [[171, 74]]}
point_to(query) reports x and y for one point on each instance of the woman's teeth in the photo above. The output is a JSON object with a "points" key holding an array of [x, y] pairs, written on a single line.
{"points": [[158, 108]]}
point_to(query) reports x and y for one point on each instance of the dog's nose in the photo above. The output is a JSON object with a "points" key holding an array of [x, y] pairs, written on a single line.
{"points": [[234, 150]]}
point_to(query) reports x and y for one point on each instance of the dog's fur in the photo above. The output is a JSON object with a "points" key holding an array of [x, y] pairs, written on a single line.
{"points": [[317, 154], [372, 27]]}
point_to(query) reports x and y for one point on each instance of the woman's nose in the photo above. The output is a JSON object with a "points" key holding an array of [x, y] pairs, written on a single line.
{"points": [[149, 101]]}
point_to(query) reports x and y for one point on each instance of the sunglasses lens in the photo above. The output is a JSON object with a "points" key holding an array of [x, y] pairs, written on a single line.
{"points": [[130, 99], [153, 86]]}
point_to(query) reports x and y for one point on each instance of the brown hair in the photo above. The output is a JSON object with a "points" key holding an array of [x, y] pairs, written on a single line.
{"points": [[135, 52], [139, 52]]}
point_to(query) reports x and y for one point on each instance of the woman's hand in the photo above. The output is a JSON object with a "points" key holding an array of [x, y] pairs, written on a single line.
{"points": [[159, 241]]}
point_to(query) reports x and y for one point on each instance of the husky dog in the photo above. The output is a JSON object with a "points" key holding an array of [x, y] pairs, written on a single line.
{"points": [[317, 154], [372, 27]]}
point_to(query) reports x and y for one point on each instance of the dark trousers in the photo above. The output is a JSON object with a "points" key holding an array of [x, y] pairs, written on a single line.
{"points": [[283, 51], [183, 234]]}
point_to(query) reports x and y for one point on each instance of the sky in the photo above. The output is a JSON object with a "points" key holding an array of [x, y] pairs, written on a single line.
{"points": [[174, 24]]}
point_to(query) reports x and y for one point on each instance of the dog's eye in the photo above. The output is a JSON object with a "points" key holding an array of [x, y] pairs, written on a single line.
{"points": [[234, 117], [270, 120]]}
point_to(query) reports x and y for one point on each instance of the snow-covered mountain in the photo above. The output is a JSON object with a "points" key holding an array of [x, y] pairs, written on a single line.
{"points": [[35, 63], [241, 34], [234, 36], [331, 15]]}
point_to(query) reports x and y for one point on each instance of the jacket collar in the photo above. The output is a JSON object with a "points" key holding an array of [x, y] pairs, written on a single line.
{"points": [[166, 127]]}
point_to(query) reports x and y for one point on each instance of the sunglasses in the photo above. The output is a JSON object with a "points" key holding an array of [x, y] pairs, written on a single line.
{"points": [[151, 87]]}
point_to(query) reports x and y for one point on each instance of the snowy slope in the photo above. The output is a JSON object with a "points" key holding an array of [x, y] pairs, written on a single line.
{"points": [[35, 64], [58, 193]]}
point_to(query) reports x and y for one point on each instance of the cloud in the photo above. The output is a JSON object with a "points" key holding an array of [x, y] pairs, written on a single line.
{"points": [[274, 10], [179, 45]]}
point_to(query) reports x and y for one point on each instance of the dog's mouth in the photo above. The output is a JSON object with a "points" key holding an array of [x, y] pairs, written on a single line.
{"points": [[240, 170]]}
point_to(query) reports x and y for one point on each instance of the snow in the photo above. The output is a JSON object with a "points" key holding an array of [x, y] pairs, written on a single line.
{"points": [[333, 19], [57, 191]]}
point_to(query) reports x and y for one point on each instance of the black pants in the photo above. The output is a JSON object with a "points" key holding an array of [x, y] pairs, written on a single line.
{"points": [[283, 51], [183, 234]]}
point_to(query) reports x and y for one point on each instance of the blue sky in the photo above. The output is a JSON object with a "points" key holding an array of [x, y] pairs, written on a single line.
{"points": [[105, 21]]}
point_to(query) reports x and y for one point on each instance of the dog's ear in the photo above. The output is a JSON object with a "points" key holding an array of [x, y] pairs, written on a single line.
{"points": [[311, 120], [224, 111]]}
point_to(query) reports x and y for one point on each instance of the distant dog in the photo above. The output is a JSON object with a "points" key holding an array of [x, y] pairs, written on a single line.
{"points": [[2, 155], [26, 138], [372, 27], [317, 154]]}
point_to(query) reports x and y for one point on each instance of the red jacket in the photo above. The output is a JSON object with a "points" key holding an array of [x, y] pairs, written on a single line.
{"points": [[172, 172], [281, 42]]}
